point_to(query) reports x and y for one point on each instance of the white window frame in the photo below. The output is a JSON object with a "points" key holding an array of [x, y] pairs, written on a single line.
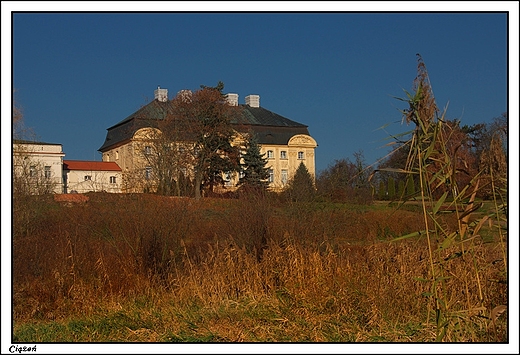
{"points": [[283, 154], [47, 172], [301, 155], [271, 175], [270, 154], [113, 180], [88, 177], [285, 176]]}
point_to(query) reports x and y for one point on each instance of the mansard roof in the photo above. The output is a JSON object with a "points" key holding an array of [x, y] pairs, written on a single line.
{"points": [[270, 127], [146, 116]]}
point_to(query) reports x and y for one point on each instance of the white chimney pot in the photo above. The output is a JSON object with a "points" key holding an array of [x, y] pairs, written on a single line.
{"points": [[161, 94], [253, 100]]}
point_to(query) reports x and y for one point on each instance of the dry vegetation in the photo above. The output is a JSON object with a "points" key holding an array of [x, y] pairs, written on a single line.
{"points": [[158, 269]]}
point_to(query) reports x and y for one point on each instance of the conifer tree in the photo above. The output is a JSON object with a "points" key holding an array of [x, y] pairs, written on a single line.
{"points": [[255, 173], [410, 186], [382, 190], [301, 187], [400, 189], [391, 188]]}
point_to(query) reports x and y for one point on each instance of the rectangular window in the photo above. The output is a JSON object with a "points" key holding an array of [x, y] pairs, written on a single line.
{"points": [[112, 179], [284, 176], [47, 172], [147, 150], [32, 171], [271, 175], [283, 154], [270, 154], [148, 173], [300, 155], [88, 177]]}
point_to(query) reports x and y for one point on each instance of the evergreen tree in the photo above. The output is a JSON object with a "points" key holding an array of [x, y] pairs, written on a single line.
{"points": [[382, 190], [391, 188], [301, 187], [410, 186], [255, 173], [400, 189]]}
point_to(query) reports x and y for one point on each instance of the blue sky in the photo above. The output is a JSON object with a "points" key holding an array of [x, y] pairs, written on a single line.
{"points": [[77, 74]]}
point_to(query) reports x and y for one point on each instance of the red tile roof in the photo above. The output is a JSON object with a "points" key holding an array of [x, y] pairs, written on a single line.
{"points": [[90, 165]]}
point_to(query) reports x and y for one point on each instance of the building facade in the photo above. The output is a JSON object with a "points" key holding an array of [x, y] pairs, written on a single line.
{"points": [[81, 176], [37, 167], [284, 142]]}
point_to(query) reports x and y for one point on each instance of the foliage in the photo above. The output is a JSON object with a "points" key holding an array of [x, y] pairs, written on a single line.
{"points": [[301, 187], [255, 173], [391, 188], [346, 181], [439, 157], [470, 149], [208, 117], [382, 190]]}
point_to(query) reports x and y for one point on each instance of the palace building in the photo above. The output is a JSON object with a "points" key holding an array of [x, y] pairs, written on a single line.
{"points": [[285, 143]]}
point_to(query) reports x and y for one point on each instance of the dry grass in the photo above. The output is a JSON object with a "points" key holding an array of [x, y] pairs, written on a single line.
{"points": [[143, 268]]}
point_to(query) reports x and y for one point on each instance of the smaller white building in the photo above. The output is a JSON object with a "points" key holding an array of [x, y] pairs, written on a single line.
{"points": [[80, 176], [37, 167]]}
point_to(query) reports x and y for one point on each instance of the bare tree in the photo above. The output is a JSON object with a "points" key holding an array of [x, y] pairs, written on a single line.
{"points": [[30, 176]]}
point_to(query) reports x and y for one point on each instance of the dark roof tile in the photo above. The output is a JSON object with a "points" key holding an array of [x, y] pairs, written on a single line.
{"points": [[270, 127]]}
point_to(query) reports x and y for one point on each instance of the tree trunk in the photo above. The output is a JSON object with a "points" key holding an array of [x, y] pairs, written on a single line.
{"points": [[198, 182]]}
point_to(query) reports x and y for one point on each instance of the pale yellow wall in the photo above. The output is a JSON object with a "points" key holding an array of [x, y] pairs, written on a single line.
{"points": [[132, 162], [298, 143], [130, 158]]}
